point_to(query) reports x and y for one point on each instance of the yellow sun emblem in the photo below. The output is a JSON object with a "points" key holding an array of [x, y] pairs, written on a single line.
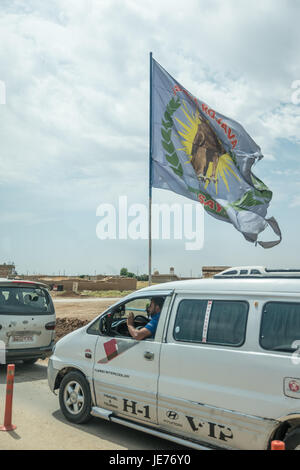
{"points": [[225, 165]]}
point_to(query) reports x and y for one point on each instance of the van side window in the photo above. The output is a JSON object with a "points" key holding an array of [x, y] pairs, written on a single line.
{"points": [[244, 271], [211, 321], [230, 273], [280, 326], [114, 321], [94, 329], [227, 322], [190, 320]]}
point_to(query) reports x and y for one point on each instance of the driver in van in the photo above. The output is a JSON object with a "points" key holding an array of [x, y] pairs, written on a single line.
{"points": [[149, 329]]}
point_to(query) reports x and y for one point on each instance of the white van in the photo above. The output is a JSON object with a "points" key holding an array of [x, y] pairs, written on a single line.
{"points": [[27, 321], [223, 370]]}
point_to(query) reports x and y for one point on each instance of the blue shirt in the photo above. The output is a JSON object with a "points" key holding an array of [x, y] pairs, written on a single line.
{"points": [[152, 325]]}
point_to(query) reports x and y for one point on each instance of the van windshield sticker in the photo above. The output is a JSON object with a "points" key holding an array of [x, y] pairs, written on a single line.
{"points": [[206, 320]]}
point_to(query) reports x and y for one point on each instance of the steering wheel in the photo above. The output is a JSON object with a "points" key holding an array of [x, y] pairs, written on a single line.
{"points": [[138, 318], [141, 317], [117, 324]]}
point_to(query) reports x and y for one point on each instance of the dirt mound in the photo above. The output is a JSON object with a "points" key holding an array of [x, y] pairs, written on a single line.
{"points": [[66, 325]]}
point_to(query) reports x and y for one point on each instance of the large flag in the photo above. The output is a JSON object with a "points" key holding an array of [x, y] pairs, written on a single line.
{"points": [[203, 155]]}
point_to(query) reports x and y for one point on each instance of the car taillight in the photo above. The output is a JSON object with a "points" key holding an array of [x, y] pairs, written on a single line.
{"points": [[50, 325]]}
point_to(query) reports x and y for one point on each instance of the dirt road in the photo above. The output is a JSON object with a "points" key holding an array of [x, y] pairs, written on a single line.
{"points": [[41, 425]]}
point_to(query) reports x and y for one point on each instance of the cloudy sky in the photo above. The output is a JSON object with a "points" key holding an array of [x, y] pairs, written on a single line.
{"points": [[75, 123]]}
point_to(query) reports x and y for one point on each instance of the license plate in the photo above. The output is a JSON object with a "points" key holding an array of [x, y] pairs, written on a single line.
{"points": [[22, 339]]}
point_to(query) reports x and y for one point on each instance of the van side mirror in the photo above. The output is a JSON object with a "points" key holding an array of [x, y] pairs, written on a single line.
{"points": [[105, 324], [120, 310]]}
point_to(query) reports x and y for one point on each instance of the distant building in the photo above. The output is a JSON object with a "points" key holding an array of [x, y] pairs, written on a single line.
{"points": [[7, 270], [159, 278]]}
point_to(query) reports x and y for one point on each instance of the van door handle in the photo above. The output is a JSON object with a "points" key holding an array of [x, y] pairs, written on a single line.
{"points": [[149, 355]]}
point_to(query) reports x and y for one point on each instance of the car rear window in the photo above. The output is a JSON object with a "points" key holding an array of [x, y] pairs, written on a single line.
{"points": [[25, 301], [280, 326]]}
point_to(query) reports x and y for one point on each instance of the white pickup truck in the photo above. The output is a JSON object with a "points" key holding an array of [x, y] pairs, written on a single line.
{"points": [[222, 371]]}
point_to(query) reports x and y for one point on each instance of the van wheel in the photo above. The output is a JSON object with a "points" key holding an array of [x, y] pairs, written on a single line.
{"points": [[292, 440], [75, 398]]}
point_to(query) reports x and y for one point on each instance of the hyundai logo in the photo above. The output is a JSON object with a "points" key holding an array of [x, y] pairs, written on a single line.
{"points": [[172, 415]]}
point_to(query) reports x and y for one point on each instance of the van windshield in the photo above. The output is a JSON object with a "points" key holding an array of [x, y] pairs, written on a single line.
{"points": [[24, 301]]}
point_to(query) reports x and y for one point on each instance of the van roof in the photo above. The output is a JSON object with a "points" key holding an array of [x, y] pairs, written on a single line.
{"points": [[236, 285]]}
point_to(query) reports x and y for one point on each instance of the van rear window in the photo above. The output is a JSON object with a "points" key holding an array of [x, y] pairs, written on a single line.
{"points": [[24, 301], [280, 326], [211, 321]]}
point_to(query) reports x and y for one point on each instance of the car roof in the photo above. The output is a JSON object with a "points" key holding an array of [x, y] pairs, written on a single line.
{"points": [[21, 282], [237, 285]]}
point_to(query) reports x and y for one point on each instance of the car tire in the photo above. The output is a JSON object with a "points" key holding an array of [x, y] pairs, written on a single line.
{"points": [[75, 398], [292, 440]]}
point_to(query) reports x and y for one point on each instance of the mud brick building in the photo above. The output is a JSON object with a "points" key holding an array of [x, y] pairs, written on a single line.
{"points": [[7, 270]]}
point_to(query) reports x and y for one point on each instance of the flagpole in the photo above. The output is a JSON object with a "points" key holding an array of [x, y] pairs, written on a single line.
{"points": [[150, 180]]}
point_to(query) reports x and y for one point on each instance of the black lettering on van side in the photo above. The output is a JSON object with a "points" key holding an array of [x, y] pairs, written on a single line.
{"points": [[224, 437], [212, 430], [129, 406], [212, 427], [192, 423]]}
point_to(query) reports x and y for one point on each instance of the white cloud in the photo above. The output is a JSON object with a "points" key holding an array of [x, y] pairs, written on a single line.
{"points": [[295, 202], [78, 70], [75, 125]]}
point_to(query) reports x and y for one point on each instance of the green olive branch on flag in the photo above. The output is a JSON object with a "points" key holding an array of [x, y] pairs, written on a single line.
{"points": [[248, 200], [166, 131], [261, 190], [258, 196]]}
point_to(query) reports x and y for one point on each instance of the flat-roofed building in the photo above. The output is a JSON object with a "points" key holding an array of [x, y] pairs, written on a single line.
{"points": [[7, 270]]}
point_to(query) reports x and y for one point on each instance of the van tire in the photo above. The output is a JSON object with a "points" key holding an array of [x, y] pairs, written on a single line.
{"points": [[292, 440], [75, 398]]}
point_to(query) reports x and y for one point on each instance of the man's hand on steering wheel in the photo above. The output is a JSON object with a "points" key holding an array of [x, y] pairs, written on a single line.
{"points": [[136, 333], [130, 319]]}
